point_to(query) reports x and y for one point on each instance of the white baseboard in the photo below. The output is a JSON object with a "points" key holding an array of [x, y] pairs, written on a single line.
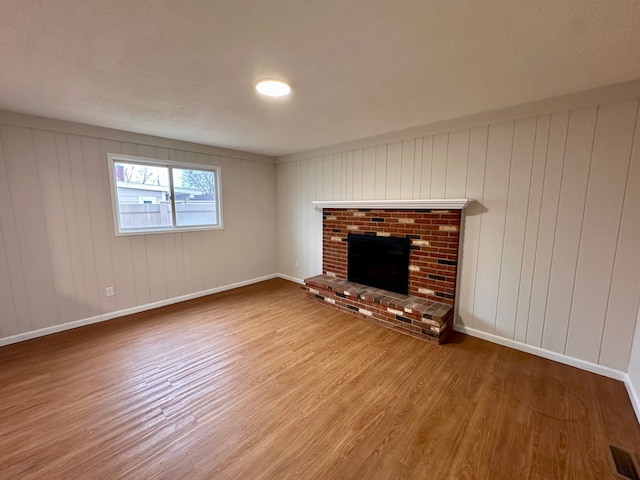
{"points": [[121, 313], [290, 278], [548, 354], [633, 395]]}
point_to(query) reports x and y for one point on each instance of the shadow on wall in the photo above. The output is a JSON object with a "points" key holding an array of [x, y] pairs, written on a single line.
{"points": [[474, 209]]}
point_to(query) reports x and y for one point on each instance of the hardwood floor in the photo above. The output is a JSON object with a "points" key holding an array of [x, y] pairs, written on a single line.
{"points": [[243, 385]]}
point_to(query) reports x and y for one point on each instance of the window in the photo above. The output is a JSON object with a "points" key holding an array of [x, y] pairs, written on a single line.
{"points": [[152, 196]]}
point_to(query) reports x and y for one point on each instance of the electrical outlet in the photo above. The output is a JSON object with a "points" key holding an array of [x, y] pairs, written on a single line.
{"points": [[297, 264], [110, 291]]}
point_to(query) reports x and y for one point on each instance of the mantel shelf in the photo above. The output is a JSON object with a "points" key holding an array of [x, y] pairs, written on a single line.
{"points": [[444, 204]]}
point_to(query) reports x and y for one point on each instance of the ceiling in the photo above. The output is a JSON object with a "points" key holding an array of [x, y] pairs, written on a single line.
{"points": [[186, 69]]}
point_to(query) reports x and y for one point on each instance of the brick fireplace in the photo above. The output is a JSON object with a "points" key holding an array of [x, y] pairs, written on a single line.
{"points": [[434, 233]]}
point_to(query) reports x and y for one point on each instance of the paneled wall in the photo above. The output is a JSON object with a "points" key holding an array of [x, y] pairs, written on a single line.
{"points": [[551, 248], [58, 250]]}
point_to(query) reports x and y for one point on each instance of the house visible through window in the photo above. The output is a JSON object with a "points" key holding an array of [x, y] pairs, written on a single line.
{"points": [[160, 196]]}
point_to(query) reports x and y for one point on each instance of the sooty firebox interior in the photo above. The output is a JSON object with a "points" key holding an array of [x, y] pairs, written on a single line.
{"points": [[381, 262]]}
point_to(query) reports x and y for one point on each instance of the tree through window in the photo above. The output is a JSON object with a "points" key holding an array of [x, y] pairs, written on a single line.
{"points": [[158, 196]]}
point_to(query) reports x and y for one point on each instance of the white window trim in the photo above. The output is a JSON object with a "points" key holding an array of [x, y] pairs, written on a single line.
{"points": [[115, 157]]}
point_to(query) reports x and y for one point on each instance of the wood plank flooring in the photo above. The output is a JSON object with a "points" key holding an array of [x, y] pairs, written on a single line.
{"points": [[260, 383]]}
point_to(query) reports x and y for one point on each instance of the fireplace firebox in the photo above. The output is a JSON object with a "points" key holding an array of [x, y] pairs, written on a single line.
{"points": [[381, 262]]}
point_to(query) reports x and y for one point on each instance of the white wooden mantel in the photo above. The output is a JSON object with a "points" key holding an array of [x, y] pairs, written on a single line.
{"points": [[440, 204]]}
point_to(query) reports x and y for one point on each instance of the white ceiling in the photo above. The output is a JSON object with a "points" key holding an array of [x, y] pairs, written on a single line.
{"points": [[185, 69]]}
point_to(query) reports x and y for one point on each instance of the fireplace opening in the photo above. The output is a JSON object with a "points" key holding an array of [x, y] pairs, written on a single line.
{"points": [[381, 262]]}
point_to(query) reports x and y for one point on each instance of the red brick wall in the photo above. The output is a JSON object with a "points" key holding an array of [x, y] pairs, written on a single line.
{"points": [[434, 237]]}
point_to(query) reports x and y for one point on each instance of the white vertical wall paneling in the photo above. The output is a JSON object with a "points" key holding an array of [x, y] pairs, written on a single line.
{"points": [[439, 165], [605, 193], [303, 203], [624, 292], [265, 215], [124, 279], [95, 170], [291, 250], [337, 176], [514, 230], [349, 174], [408, 168], [457, 158], [251, 203], [185, 239], [417, 168], [327, 181], [368, 173], [319, 179], [547, 227], [379, 192], [534, 203], [216, 254], [243, 201], [284, 220], [260, 202], [291, 198], [8, 321], [129, 148], [55, 222], [357, 174], [344, 175], [232, 207], [468, 260], [14, 309], [394, 171], [243, 207], [220, 255], [71, 224], [427, 165], [30, 226], [496, 186], [573, 192], [307, 195], [300, 196], [266, 179], [246, 230], [307, 215], [314, 249]]}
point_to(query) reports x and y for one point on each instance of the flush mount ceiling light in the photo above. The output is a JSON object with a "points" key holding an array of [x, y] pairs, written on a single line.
{"points": [[273, 88]]}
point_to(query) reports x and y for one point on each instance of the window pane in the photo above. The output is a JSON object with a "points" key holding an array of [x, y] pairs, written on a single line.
{"points": [[143, 196], [195, 197]]}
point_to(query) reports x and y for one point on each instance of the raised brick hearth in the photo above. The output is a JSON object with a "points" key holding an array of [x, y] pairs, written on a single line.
{"points": [[427, 312], [419, 317]]}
